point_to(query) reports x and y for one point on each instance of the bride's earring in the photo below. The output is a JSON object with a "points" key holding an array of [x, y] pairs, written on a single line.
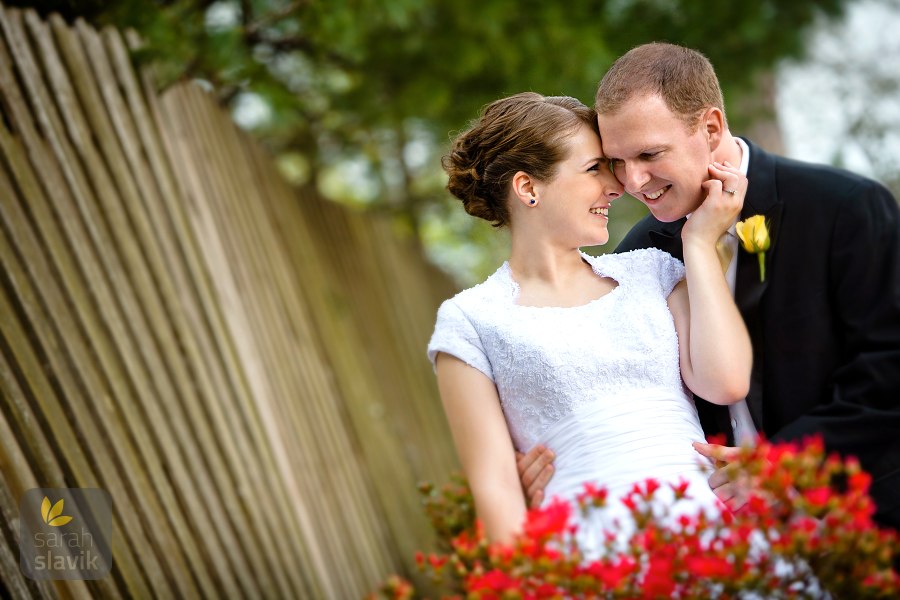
{"points": [[533, 200]]}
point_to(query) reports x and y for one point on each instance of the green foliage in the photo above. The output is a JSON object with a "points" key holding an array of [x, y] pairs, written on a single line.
{"points": [[740, 38], [381, 85], [450, 509], [351, 67]]}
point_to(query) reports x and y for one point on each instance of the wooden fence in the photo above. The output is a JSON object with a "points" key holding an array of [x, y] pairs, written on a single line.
{"points": [[240, 366]]}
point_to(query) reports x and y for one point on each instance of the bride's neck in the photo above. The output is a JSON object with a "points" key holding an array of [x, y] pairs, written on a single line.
{"points": [[546, 266]]}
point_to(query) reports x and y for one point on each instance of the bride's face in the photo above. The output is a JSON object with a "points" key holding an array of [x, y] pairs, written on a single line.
{"points": [[575, 202]]}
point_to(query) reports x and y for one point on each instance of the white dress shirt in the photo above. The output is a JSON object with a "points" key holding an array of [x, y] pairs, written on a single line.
{"points": [[741, 422]]}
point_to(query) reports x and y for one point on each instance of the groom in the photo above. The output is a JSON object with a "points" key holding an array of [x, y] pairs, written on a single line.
{"points": [[825, 321]]}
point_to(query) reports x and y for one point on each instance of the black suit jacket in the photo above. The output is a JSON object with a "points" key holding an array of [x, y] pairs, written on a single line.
{"points": [[825, 324]]}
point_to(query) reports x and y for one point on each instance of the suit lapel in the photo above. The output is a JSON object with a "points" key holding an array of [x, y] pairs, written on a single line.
{"points": [[667, 237], [762, 199]]}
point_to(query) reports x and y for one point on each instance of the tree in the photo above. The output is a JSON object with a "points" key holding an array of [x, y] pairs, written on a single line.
{"points": [[361, 96]]}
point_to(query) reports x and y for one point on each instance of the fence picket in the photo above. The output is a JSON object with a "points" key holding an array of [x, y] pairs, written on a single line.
{"points": [[239, 363]]}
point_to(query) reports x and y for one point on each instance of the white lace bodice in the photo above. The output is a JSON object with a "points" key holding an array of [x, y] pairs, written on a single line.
{"points": [[548, 362]]}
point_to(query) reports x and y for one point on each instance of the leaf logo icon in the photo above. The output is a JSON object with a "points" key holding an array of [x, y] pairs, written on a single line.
{"points": [[53, 516]]}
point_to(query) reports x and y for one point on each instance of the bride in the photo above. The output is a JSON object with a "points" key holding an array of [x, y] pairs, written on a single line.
{"points": [[589, 356]]}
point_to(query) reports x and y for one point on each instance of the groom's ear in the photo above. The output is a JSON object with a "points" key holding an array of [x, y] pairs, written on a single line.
{"points": [[713, 122]]}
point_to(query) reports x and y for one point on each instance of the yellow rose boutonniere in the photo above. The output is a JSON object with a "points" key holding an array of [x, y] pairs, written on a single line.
{"points": [[754, 235]]}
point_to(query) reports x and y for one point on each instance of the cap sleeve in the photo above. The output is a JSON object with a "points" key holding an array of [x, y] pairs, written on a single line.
{"points": [[455, 334], [670, 269]]}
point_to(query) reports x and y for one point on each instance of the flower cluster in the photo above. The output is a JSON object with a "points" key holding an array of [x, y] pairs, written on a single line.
{"points": [[806, 532], [451, 509]]}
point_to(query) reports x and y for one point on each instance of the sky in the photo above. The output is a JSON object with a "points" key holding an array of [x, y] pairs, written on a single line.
{"points": [[842, 102]]}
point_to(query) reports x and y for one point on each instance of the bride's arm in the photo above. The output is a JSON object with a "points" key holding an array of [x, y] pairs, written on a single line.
{"points": [[716, 356], [484, 446]]}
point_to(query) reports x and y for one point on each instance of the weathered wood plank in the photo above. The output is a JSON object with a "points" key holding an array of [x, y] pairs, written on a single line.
{"points": [[17, 477], [17, 157], [240, 365], [241, 286], [121, 394], [316, 277], [263, 514]]}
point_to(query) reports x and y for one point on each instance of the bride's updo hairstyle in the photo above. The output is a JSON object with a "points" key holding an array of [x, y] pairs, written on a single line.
{"points": [[526, 132]]}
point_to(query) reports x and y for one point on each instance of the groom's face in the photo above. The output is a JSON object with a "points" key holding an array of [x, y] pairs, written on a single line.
{"points": [[656, 157]]}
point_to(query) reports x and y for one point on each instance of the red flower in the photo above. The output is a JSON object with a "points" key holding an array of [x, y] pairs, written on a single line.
{"points": [[859, 482], [743, 533], [862, 514], [781, 452], [611, 573], [547, 590], [501, 553], [680, 489], [814, 444], [592, 496], [796, 483], [436, 561], [718, 439], [541, 523], [727, 515], [403, 590], [757, 505], [495, 581], [818, 496], [530, 548], [806, 525], [466, 543], [659, 582], [397, 588], [709, 566]]}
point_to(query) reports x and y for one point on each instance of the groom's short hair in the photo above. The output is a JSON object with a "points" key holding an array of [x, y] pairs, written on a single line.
{"points": [[683, 78]]}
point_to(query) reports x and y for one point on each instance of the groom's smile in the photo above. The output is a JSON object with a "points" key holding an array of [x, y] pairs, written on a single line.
{"points": [[657, 194], [655, 155]]}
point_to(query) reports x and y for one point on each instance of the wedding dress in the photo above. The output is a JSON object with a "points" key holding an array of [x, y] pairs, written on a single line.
{"points": [[599, 384]]}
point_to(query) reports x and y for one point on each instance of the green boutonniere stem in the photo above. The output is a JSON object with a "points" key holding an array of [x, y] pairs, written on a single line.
{"points": [[762, 265]]}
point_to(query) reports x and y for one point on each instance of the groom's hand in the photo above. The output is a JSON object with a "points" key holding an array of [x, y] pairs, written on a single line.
{"points": [[726, 482], [535, 470]]}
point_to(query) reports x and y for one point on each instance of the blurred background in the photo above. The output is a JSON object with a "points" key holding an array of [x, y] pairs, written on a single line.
{"points": [[359, 98], [214, 292]]}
